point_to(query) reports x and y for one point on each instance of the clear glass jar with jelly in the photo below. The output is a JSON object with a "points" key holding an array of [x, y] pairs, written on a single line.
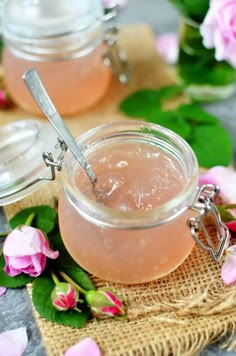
{"points": [[69, 43]]}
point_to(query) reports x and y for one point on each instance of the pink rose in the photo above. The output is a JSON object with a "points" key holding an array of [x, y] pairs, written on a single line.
{"points": [[225, 179], [25, 250], [219, 30]]}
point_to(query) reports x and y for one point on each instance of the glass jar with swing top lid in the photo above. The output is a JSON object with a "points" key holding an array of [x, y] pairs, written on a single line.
{"points": [[70, 43]]}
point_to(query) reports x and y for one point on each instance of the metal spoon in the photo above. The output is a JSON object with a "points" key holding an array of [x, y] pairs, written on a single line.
{"points": [[40, 95]]}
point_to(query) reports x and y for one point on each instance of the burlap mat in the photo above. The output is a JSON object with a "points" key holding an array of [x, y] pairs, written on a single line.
{"points": [[179, 314]]}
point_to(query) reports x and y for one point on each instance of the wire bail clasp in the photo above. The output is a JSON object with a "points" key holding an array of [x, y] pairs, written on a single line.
{"points": [[55, 163], [208, 216], [115, 57]]}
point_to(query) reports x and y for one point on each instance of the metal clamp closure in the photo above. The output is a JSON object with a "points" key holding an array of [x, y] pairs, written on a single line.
{"points": [[115, 57], [50, 162], [208, 217]]}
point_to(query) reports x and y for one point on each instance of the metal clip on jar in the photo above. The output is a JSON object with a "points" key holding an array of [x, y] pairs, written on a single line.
{"points": [[71, 45], [148, 211]]}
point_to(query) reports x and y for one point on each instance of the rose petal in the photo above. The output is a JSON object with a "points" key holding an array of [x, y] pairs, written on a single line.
{"points": [[110, 3], [86, 347], [167, 46], [228, 270], [225, 178], [13, 342], [2, 290]]}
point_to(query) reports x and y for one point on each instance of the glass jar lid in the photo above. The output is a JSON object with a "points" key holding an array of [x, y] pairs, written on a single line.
{"points": [[48, 27], [22, 167]]}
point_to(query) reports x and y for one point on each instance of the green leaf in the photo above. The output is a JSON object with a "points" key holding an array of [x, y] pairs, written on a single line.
{"points": [[79, 276], [56, 243], [141, 103], [171, 120], [212, 146], [67, 264], [195, 114], [170, 91], [147, 102], [12, 282], [45, 218], [41, 296]]}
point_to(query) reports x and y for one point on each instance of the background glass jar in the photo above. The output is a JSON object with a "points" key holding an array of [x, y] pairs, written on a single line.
{"points": [[66, 42], [133, 229]]}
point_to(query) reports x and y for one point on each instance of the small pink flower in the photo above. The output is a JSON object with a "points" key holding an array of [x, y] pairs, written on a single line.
{"points": [[228, 270], [104, 303], [25, 250], [86, 347], [219, 30], [225, 179], [167, 46], [64, 296]]}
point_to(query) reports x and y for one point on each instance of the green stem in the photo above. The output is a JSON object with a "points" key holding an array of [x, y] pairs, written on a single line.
{"points": [[74, 284], [77, 309], [30, 219], [55, 278]]}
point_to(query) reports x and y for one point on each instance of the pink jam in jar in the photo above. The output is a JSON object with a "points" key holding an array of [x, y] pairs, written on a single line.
{"points": [[132, 227]]}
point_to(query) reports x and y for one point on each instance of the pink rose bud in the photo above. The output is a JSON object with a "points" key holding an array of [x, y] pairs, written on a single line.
{"points": [[104, 302], [25, 251], [64, 296], [3, 98]]}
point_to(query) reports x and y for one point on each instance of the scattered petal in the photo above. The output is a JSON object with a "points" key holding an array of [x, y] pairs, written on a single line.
{"points": [[86, 347], [167, 46], [2, 290], [228, 270], [13, 342]]}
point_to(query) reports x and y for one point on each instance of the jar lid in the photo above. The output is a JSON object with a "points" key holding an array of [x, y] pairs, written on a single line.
{"points": [[52, 26], [22, 168]]}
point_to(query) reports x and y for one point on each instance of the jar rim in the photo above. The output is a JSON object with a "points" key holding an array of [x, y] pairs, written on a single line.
{"points": [[105, 216], [58, 34]]}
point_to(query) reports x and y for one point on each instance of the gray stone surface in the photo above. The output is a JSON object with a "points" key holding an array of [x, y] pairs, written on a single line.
{"points": [[15, 307]]}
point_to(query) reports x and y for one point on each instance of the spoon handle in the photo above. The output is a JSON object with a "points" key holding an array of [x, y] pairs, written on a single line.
{"points": [[40, 95]]}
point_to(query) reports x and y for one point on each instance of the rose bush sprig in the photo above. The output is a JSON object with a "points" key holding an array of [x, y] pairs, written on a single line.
{"points": [[61, 290]]}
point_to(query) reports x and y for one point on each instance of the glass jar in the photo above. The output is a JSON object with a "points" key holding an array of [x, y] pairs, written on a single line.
{"points": [[134, 227], [141, 219], [70, 45], [205, 78]]}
